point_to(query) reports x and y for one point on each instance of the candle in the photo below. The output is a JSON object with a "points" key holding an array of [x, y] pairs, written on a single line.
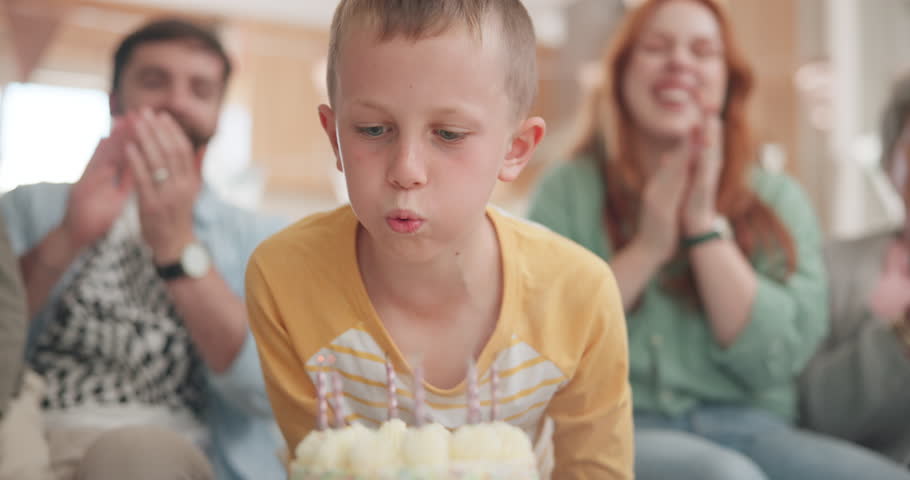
{"points": [[338, 397], [392, 389], [419, 393], [473, 394], [321, 417], [494, 389]]}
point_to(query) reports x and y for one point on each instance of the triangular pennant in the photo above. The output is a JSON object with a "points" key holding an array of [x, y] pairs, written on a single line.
{"points": [[32, 26]]}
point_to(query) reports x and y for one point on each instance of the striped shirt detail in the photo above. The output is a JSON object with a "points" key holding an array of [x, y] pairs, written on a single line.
{"points": [[527, 383]]}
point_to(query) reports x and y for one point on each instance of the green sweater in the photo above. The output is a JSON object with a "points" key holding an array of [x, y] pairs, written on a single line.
{"points": [[675, 365]]}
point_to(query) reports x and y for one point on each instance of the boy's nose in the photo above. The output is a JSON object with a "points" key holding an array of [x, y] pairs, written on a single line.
{"points": [[407, 170]]}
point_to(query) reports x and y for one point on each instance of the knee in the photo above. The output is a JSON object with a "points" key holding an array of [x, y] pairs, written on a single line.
{"points": [[144, 453], [727, 464], [24, 451], [665, 454]]}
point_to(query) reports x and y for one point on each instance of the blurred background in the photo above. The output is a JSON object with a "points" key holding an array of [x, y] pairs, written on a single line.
{"points": [[824, 70]]}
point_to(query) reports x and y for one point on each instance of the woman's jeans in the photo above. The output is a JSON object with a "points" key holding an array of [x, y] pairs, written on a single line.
{"points": [[736, 443]]}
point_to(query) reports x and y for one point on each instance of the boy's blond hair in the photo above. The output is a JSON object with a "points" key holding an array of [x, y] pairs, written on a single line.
{"points": [[418, 19]]}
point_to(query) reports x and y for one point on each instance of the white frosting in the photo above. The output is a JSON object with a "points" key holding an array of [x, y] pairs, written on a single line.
{"points": [[378, 452], [497, 442], [333, 452], [514, 444], [427, 446], [471, 443], [308, 449], [394, 448]]}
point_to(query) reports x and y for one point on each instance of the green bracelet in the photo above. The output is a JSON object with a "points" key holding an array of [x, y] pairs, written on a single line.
{"points": [[694, 240]]}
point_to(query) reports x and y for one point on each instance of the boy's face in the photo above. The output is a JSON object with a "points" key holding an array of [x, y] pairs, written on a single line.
{"points": [[422, 130]]}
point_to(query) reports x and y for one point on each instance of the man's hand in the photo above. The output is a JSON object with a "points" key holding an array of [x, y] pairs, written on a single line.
{"points": [[97, 199], [163, 163]]}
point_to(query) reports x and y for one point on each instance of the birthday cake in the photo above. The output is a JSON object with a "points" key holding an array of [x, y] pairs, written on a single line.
{"points": [[485, 451], [476, 451]]}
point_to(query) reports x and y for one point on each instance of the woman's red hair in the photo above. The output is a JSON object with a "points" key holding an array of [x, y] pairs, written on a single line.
{"points": [[609, 135]]}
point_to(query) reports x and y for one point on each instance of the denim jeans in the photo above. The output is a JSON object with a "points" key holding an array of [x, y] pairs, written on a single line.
{"points": [[737, 443]]}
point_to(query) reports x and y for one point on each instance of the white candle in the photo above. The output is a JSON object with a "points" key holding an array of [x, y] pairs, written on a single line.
{"points": [[392, 389], [419, 393], [322, 416], [473, 394], [494, 390]]}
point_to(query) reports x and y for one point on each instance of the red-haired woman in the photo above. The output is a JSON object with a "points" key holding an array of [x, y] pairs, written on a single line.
{"points": [[719, 262]]}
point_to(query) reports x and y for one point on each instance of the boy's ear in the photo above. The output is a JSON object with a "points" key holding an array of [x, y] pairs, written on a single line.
{"points": [[327, 119], [526, 139]]}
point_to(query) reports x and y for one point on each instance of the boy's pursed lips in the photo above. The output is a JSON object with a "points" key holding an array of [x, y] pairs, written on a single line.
{"points": [[404, 221]]}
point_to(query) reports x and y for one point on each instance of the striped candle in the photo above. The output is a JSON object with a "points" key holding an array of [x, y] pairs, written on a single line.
{"points": [[392, 389], [494, 390], [338, 397], [322, 415], [420, 396], [473, 394]]}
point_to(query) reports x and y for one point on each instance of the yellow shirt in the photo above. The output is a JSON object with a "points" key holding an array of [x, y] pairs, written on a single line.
{"points": [[559, 347]]}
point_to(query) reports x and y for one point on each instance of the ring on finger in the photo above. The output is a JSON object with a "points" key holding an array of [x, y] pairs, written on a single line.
{"points": [[160, 175]]}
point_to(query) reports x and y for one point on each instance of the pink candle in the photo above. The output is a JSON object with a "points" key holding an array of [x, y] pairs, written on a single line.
{"points": [[338, 397], [473, 394], [419, 393], [322, 416], [393, 389], [494, 390]]}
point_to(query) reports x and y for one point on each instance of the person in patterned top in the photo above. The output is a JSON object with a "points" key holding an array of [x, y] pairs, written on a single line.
{"points": [[134, 280]]}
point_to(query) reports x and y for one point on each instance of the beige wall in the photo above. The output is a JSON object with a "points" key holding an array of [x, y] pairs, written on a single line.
{"points": [[277, 80], [278, 65], [774, 59]]}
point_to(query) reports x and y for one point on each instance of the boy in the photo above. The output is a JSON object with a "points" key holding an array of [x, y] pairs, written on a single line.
{"points": [[428, 109]]}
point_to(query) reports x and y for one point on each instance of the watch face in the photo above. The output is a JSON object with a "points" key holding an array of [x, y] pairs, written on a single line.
{"points": [[195, 260]]}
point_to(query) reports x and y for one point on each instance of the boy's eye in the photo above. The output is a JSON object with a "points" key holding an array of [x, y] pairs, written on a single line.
{"points": [[373, 131], [449, 135]]}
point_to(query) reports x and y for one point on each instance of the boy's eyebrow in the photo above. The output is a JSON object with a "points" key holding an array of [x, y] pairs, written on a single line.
{"points": [[465, 111], [447, 111], [439, 111], [368, 104]]}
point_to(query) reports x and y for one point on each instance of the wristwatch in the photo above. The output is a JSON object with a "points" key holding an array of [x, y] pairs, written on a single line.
{"points": [[720, 229], [195, 262]]}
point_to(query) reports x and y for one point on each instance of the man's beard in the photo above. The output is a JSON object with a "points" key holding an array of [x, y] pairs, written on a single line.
{"points": [[197, 137]]}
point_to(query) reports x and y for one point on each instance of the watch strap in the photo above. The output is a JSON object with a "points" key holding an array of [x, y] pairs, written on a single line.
{"points": [[691, 241], [171, 271]]}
